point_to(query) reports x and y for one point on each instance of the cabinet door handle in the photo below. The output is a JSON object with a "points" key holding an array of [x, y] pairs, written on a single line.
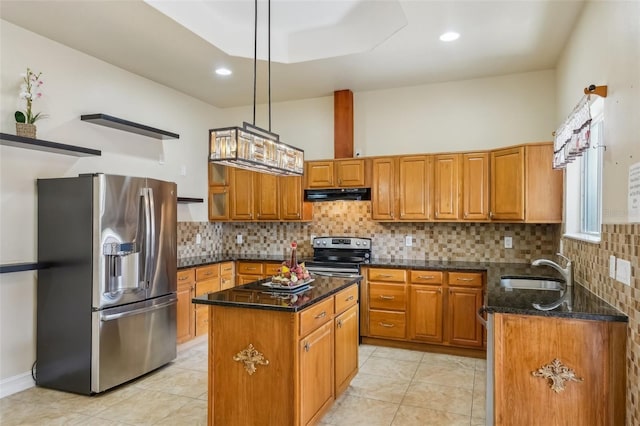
{"points": [[339, 324], [386, 324], [464, 279], [465, 215], [426, 277], [349, 298], [307, 346], [382, 296], [439, 290], [437, 213], [491, 215], [321, 315]]}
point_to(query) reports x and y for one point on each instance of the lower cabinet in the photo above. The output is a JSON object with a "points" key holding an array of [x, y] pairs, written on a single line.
{"points": [[186, 287], [249, 271], [207, 281], [315, 352], [585, 359], [434, 307], [346, 331]]}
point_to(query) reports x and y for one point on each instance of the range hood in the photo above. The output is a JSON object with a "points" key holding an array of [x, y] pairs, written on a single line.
{"points": [[338, 194]]}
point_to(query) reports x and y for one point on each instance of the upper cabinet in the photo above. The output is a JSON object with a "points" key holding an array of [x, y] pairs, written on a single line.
{"points": [[475, 186], [515, 184], [242, 195], [524, 185], [351, 173], [447, 186]]}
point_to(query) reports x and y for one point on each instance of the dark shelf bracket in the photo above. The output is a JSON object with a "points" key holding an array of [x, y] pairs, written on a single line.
{"points": [[190, 200], [47, 146], [128, 126]]}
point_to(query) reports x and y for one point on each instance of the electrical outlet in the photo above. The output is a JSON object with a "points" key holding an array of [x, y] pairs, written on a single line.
{"points": [[408, 240], [239, 239], [198, 239], [612, 267], [623, 271], [508, 242], [183, 170]]}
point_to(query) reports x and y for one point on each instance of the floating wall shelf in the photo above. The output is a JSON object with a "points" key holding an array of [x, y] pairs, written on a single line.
{"points": [[190, 200], [48, 146], [19, 267], [128, 126]]}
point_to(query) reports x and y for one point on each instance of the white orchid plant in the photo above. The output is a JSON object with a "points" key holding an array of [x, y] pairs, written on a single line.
{"points": [[30, 90]]}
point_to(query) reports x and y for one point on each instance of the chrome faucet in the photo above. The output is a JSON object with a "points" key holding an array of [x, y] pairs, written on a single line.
{"points": [[567, 274]]}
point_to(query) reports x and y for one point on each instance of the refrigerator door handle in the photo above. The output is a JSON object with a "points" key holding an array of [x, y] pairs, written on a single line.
{"points": [[111, 317], [147, 238], [152, 236]]}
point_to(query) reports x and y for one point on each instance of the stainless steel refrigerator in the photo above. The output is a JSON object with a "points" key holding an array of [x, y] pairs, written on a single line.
{"points": [[106, 299]]}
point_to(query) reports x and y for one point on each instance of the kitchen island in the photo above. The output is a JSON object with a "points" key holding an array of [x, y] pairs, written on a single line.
{"points": [[280, 357]]}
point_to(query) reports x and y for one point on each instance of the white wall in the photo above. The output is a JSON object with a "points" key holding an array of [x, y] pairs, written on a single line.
{"points": [[76, 84], [604, 49], [456, 116]]}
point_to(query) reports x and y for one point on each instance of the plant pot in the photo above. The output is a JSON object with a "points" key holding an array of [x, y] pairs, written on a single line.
{"points": [[26, 130]]}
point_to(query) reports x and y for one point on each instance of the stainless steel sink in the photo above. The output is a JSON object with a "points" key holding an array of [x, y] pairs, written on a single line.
{"points": [[531, 283]]}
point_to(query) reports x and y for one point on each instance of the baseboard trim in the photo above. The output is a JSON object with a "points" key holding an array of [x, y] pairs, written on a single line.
{"points": [[16, 384]]}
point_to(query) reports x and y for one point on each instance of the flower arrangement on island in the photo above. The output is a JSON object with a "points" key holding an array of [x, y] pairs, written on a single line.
{"points": [[291, 272]]}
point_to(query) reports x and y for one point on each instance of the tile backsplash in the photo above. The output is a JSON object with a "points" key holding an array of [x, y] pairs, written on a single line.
{"points": [[591, 268], [430, 241]]}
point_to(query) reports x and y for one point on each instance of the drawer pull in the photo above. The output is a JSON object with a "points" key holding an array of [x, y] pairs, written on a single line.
{"points": [[321, 315], [464, 279], [206, 274], [307, 346], [183, 278], [386, 324], [382, 296], [384, 276], [426, 277], [348, 299], [250, 268], [339, 324]]}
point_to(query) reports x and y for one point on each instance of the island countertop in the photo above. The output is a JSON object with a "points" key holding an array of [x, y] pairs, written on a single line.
{"points": [[259, 295]]}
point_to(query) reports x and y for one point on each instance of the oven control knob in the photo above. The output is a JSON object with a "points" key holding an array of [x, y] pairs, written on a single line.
{"points": [[357, 243], [364, 243], [324, 243]]}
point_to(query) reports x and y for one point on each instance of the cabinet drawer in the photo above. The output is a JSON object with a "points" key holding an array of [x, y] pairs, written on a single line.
{"points": [[388, 296], [207, 272], [186, 277], [313, 317], [465, 279], [208, 286], [271, 269], [226, 268], [250, 268], [426, 277], [391, 275], [346, 298], [387, 324]]}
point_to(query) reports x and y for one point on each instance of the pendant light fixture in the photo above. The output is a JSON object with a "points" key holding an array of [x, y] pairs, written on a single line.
{"points": [[251, 147]]}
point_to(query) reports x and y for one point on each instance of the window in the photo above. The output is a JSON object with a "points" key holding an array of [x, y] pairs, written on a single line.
{"points": [[583, 194]]}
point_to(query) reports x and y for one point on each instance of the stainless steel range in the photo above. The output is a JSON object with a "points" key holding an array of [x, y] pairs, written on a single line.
{"points": [[339, 256]]}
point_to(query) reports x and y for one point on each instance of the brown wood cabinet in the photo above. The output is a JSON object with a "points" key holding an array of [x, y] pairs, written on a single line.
{"points": [[447, 186], [250, 271], [524, 186], [186, 287], [243, 195], [435, 307], [349, 173], [347, 335], [227, 275], [207, 281], [297, 385], [401, 188], [593, 351], [475, 186]]}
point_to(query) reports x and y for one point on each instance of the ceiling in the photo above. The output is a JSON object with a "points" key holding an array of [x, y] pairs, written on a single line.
{"points": [[396, 45]]}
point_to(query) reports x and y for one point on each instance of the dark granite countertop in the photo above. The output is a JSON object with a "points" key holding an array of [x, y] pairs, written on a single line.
{"points": [[586, 305], [258, 296], [190, 262]]}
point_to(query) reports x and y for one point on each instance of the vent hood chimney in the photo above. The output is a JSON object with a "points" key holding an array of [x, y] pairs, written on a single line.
{"points": [[343, 124]]}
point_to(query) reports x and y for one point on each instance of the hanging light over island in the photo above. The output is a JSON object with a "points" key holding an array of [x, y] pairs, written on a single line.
{"points": [[251, 147]]}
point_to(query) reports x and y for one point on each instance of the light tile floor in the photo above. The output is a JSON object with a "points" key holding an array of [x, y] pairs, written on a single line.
{"points": [[393, 387]]}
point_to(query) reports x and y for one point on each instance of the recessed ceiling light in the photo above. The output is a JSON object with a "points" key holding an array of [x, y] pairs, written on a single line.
{"points": [[450, 36], [223, 71]]}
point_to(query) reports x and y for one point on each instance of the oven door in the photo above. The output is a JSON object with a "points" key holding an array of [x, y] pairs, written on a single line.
{"points": [[333, 269]]}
